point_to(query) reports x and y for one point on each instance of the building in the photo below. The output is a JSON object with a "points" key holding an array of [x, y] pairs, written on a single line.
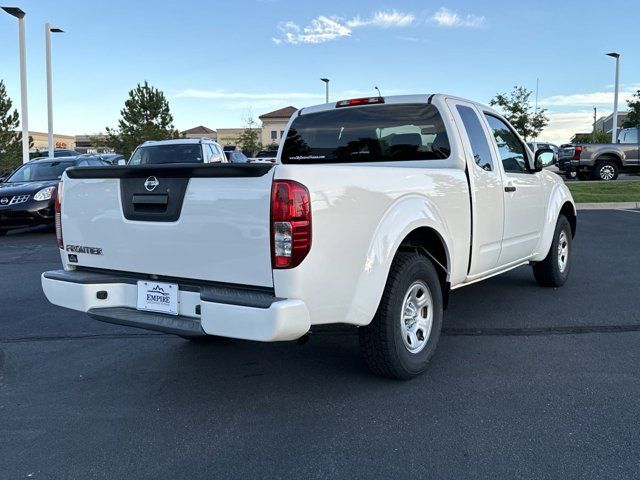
{"points": [[92, 144], [229, 136], [41, 141], [274, 123], [605, 124], [201, 132]]}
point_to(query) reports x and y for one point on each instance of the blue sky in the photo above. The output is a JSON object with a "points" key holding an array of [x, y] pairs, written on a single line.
{"points": [[216, 60]]}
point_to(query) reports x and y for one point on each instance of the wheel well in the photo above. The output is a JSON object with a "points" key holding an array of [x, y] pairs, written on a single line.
{"points": [[567, 211], [426, 240], [609, 157]]}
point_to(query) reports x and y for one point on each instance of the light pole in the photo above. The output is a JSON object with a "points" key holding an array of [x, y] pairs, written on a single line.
{"points": [[326, 90], [19, 14], [379, 94], [48, 28], [614, 126]]}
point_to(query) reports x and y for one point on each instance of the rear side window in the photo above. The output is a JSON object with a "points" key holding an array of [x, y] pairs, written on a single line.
{"points": [[478, 140], [380, 133]]}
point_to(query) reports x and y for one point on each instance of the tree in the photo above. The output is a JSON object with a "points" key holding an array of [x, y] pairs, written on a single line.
{"points": [[595, 137], [98, 142], [518, 110], [145, 116], [249, 139], [633, 118], [10, 138]]}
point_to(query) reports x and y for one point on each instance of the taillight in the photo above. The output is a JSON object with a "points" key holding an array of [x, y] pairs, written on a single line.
{"points": [[58, 216], [290, 223], [577, 151]]}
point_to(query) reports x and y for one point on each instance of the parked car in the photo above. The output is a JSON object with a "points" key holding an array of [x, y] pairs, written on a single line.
{"points": [[602, 161], [183, 150], [234, 156], [113, 158], [264, 156], [58, 152], [376, 209], [27, 195]]}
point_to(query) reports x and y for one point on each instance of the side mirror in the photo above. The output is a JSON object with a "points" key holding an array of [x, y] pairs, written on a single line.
{"points": [[543, 158]]}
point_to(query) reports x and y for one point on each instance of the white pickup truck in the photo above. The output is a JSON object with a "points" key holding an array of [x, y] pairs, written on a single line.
{"points": [[374, 210]]}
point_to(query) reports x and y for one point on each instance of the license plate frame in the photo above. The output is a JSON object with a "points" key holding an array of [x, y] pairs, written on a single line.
{"points": [[158, 297]]}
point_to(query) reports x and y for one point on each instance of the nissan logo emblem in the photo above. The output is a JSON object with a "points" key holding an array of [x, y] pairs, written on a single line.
{"points": [[4, 201], [151, 184]]}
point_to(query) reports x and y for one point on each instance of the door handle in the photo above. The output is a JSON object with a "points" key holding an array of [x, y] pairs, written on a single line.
{"points": [[510, 188]]}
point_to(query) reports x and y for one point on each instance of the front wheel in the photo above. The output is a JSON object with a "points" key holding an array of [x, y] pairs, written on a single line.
{"points": [[404, 333], [553, 271]]}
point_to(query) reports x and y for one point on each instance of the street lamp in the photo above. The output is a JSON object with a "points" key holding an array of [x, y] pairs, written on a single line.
{"points": [[48, 29], [19, 14], [326, 83], [614, 130], [379, 94]]}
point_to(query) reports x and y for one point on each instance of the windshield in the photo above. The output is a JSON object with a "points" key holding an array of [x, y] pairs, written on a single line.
{"points": [[176, 153], [39, 172], [381, 133]]}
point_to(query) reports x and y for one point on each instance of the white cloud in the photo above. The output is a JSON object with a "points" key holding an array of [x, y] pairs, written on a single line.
{"points": [[562, 126], [592, 98], [326, 28], [446, 18], [383, 19], [321, 29]]}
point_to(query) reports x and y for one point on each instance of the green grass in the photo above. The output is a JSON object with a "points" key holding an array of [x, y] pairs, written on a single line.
{"points": [[599, 192]]}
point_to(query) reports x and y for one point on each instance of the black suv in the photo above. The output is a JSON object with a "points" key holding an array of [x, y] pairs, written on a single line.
{"points": [[27, 196]]}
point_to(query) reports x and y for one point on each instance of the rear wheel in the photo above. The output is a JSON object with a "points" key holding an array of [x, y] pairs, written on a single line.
{"points": [[569, 175], [606, 170], [404, 333], [553, 271]]}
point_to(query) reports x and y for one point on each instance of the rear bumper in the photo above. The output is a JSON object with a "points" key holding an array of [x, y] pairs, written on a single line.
{"points": [[203, 309]]}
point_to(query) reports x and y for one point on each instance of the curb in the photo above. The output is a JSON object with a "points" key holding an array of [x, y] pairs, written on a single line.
{"points": [[607, 205]]}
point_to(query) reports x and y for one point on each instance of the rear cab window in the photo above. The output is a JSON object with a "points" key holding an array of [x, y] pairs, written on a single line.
{"points": [[377, 133]]}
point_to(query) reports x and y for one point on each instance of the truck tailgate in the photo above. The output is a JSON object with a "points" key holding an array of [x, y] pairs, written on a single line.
{"points": [[208, 222]]}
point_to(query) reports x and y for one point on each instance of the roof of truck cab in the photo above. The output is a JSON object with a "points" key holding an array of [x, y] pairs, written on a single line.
{"points": [[176, 141], [395, 99]]}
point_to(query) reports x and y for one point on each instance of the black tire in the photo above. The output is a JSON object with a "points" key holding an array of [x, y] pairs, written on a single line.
{"points": [[605, 170], [381, 342], [584, 176], [549, 272], [3, 233], [570, 175]]}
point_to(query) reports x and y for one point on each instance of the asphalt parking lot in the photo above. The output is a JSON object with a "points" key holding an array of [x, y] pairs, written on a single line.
{"points": [[527, 383]]}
